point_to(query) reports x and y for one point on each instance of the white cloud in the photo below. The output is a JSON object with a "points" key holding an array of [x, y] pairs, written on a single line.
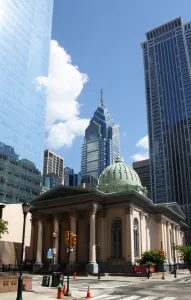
{"points": [[144, 143], [64, 84], [62, 134], [140, 156]]}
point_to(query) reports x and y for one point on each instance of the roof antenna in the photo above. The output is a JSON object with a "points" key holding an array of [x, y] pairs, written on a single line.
{"points": [[101, 97]]}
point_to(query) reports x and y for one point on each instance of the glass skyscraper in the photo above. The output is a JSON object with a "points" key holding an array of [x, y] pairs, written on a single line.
{"points": [[101, 143], [25, 34], [167, 70]]}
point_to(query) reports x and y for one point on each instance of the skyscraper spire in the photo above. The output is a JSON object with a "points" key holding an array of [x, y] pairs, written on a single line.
{"points": [[101, 97]]}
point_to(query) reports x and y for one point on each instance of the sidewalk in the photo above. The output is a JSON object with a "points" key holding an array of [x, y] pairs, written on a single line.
{"points": [[44, 293]]}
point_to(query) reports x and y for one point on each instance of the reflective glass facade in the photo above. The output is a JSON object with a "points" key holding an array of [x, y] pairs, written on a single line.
{"points": [[50, 181], [101, 144], [25, 33], [19, 178], [167, 67], [70, 178]]}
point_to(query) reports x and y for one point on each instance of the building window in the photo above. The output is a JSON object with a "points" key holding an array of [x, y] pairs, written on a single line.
{"points": [[136, 237], [116, 237]]}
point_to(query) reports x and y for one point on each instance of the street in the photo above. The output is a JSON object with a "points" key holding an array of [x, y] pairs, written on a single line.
{"points": [[132, 288], [115, 288]]}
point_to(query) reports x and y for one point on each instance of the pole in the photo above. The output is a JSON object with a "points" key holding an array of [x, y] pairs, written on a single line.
{"points": [[99, 277], [53, 255], [68, 277], [15, 259], [174, 260], [20, 279], [162, 263]]}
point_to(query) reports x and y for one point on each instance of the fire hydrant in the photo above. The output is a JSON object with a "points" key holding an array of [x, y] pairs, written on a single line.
{"points": [[59, 294], [74, 275]]}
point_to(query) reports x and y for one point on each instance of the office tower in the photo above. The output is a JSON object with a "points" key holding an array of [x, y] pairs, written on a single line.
{"points": [[25, 33], [53, 164], [70, 178], [77, 179], [167, 65], [20, 180], [101, 143], [142, 168], [49, 181]]}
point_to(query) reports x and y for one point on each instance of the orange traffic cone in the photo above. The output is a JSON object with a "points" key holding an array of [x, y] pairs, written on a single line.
{"points": [[88, 293], [64, 289]]}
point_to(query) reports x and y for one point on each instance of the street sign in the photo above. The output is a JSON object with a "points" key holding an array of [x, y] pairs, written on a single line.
{"points": [[49, 254]]}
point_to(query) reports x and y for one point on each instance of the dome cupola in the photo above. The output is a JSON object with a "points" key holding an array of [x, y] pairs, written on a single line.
{"points": [[119, 177]]}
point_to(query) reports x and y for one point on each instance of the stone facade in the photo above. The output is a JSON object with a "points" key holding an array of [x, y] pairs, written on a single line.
{"points": [[125, 224]]}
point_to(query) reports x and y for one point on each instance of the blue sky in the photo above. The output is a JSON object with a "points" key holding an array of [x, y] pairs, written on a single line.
{"points": [[102, 38]]}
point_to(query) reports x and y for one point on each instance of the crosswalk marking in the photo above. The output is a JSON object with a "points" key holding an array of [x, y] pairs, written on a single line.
{"points": [[101, 285], [124, 297], [149, 298], [104, 296], [185, 281], [131, 298], [169, 298]]}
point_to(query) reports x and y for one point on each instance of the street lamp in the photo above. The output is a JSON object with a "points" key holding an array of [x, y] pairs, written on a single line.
{"points": [[174, 254], [54, 235], [16, 248], [98, 258], [25, 207], [68, 294]]}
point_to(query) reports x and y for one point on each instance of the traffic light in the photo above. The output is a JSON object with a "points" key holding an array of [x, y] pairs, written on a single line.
{"points": [[74, 239], [66, 237], [161, 253]]}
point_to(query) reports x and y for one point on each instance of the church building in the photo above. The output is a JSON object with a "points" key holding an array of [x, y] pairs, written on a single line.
{"points": [[114, 224]]}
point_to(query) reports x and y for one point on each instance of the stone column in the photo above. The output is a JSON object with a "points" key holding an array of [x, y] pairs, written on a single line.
{"points": [[73, 230], [173, 243], [160, 234], [169, 246], [92, 267], [165, 239], [142, 234], [81, 239], [177, 243], [39, 243], [148, 233], [130, 254], [56, 228], [33, 238], [100, 233]]}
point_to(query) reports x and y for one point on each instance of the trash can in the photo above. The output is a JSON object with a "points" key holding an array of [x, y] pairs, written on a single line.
{"points": [[46, 281], [57, 277]]}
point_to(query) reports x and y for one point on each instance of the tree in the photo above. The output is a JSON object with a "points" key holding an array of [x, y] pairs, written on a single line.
{"points": [[152, 257], [185, 252], [3, 227]]}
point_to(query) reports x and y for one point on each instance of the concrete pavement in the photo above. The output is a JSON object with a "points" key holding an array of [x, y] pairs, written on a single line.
{"points": [[109, 287]]}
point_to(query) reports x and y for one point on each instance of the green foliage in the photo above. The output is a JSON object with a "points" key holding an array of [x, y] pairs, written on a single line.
{"points": [[3, 227], [152, 258], [185, 252]]}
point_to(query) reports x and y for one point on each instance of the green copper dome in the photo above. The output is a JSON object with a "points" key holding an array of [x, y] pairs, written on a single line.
{"points": [[119, 177]]}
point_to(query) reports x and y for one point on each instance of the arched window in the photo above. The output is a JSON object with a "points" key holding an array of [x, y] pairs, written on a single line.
{"points": [[136, 237], [116, 237]]}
